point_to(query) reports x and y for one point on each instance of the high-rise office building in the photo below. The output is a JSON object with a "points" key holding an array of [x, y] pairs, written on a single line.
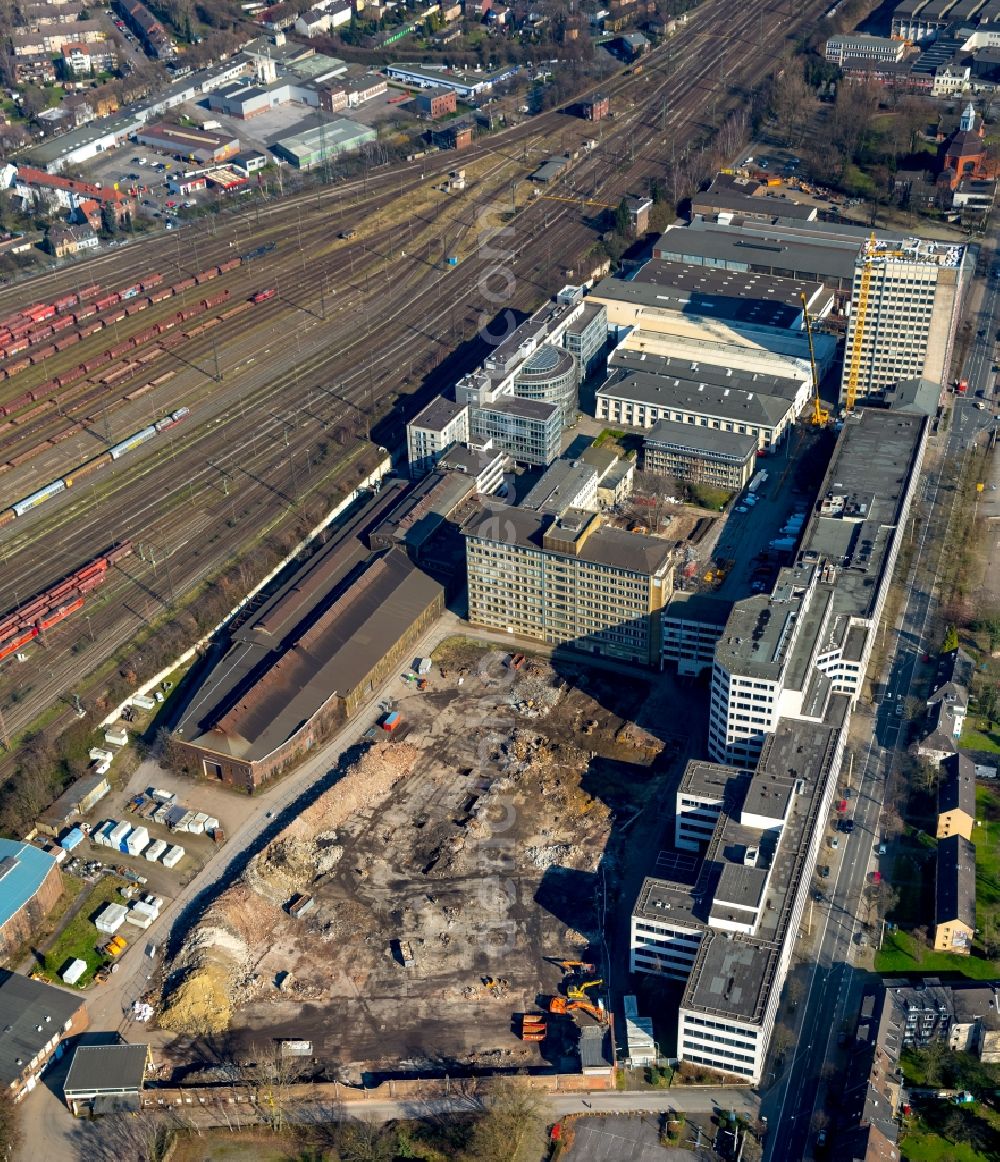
{"points": [[905, 304]]}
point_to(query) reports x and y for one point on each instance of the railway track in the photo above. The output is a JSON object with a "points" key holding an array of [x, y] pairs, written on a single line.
{"points": [[253, 436]]}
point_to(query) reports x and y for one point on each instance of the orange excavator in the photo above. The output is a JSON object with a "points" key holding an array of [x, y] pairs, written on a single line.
{"points": [[562, 1005], [574, 966]]}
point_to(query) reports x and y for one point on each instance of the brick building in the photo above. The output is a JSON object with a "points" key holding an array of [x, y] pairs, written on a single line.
{"points": [[437, 103], [30, 885]]}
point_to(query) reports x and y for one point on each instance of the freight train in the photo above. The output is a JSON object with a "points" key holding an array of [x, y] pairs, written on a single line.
{"points": [[25, 505], [30, 620]]}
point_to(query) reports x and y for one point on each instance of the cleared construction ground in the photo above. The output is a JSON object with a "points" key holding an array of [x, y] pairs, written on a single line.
{"points": [[476, 835]]}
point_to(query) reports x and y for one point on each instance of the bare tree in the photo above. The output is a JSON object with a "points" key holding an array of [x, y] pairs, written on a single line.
{"points": [[11, 1135], [514, 1112]]}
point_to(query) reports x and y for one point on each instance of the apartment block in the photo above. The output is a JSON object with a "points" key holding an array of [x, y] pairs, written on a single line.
{"points": [[568, 580], [906, 300], [963, 1014], [955, 895], [785, 654]]}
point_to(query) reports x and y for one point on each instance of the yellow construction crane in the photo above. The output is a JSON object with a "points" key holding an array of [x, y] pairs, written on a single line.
{"points": [[820, 415]]}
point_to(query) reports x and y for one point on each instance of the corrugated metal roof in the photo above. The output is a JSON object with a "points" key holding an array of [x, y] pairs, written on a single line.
{"points": [[22, 870]]}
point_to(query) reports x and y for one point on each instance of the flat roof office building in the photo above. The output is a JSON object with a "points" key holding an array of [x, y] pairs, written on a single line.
{"points": [[905, 305], [568, 580], [783, 655], [700, 454]]}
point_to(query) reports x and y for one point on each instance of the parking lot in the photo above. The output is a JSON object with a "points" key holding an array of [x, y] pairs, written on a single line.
{"points": [[745, 542], [134, 167]]}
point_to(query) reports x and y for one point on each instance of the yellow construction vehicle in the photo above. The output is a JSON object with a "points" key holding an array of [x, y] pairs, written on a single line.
{"points": [[820, 414], [578, 992]]}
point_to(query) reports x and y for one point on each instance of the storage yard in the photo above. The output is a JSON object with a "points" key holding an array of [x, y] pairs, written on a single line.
{"points": [[430, 882]]}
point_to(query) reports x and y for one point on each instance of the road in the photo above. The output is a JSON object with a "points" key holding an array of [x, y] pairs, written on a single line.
{"points": [[793, 1100]]}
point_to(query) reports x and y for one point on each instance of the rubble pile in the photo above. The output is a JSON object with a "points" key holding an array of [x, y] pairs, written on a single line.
{"points": [[200, 1004], [534, 696], [216, 969]]}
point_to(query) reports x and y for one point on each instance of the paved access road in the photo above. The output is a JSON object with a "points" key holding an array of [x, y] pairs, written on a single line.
{"points": [[836, 981]]}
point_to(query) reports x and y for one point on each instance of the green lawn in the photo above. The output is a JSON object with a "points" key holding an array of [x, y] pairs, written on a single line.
{"points": [[974, 739], [79, 937], [901, 953], [987, 840], [924, 1146]]}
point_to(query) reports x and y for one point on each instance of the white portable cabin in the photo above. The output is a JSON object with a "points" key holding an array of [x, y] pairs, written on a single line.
{"points": [[119, 833], [138, 841], [74, 972], [102, 836], [155, 850], [141, 916], [111, 918], [173, 856]]}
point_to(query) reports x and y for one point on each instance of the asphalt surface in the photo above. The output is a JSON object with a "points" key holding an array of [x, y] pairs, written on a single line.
{"points": [[793, 1099]]}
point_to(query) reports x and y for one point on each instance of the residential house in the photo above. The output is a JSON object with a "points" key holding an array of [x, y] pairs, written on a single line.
{"points": [[947, 706], [955, 896], [957, 797]]}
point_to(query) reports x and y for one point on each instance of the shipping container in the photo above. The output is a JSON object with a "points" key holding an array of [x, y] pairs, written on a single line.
{"points": [[173, 857]]}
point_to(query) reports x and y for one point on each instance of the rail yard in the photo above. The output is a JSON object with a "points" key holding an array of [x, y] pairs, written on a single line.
{"points": [[279, 396]]}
